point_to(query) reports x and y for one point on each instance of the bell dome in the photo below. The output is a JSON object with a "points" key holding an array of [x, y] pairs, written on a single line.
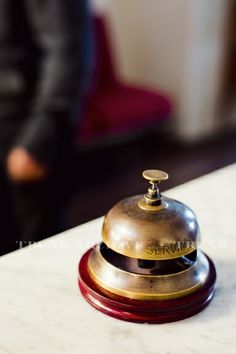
{"points": [[151, 227]]}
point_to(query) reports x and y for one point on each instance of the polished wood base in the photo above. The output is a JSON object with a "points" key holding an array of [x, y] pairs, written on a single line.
{"points": [[145, 311]]}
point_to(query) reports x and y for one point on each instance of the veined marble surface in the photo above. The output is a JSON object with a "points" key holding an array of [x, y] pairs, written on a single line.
{"points": [[42, 311]]}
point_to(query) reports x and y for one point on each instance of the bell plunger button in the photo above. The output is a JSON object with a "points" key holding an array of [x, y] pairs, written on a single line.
{"points": [[153, 197], [155, 175]]}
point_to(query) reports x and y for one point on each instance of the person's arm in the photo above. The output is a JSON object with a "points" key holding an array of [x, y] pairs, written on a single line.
{"points": [[61, 31]]}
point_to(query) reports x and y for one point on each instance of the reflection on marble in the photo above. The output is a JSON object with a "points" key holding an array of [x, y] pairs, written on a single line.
{"points": [[42, 310]]}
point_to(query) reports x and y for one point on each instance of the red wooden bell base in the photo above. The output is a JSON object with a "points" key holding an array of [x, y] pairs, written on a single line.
{"points": [[145, 311]]}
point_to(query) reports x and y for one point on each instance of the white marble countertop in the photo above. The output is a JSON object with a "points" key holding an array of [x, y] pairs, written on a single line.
{"points": [[42, 311]]}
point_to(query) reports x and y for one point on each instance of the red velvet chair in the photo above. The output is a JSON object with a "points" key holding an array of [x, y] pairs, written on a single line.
{"points": [[112, 107]]}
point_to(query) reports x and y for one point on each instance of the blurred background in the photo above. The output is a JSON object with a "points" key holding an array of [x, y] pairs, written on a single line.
{"points": [[160, 94], [183, 51]]}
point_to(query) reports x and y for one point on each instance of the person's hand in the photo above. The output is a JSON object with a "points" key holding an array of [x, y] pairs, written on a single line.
{"points": [[22, 167]]}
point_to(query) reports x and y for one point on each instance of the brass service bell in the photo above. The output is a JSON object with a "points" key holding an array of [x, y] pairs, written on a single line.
{"points": [[148, 267]]}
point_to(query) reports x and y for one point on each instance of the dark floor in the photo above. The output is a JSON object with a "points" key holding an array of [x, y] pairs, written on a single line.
{"points": [[108, 174]]}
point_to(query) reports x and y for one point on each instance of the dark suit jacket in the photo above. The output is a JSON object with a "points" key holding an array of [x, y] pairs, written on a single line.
{"points": [[44, 50]]}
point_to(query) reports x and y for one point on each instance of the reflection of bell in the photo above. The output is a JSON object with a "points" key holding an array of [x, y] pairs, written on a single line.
{"points": [[148, 267]]}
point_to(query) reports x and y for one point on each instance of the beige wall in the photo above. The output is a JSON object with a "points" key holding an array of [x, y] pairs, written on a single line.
{"points": [[198, 104], [175, 46], [149, 40]]}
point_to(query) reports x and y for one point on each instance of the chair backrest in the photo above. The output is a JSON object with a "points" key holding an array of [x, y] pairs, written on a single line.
{"points": [[103, 74]]}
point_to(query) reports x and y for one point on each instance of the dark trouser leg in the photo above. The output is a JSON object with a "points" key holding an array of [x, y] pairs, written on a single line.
{"points": [[37, 208], [9, 229], [40, 206]]}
